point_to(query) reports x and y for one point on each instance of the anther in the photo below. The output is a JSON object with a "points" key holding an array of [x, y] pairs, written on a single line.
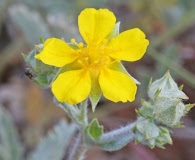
{"points": [[96, 62], [81, 45], [73, 40], [79, 61], [86, 58], [105, 41]]}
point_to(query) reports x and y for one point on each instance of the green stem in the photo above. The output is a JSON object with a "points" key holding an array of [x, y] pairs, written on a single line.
{"points": [[70, 110], [78, 150], [83, 117], [79, 116], [117, 139]]}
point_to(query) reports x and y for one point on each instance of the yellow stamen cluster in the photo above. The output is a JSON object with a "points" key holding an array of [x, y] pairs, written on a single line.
{"points": [[92, 56]]}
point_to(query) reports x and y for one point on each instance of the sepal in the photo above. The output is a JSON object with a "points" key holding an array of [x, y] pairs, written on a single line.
{"points": [[39, 72], [168, 111], [114, 32], [165, 87], [148, 133]]}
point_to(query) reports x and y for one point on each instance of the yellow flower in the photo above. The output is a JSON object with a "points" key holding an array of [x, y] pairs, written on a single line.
{"points": [[95, 67]]}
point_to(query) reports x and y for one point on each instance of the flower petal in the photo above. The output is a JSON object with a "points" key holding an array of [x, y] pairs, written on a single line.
{"points": [[72, 86], [56, 52], [117, 86], [118, 66], [95, 25], [129, 45]]}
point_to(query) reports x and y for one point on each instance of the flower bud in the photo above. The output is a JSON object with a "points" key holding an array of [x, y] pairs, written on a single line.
{"points": [[146, 109], [164, 137], [148, 133], [164, 110], [165, 87], [168, 111]]}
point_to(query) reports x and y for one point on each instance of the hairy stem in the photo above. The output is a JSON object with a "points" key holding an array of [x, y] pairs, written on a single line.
{"points": [[78, 150], [117, 139], [83, 113]]}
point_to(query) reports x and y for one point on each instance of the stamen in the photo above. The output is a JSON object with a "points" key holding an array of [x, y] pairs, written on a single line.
{"points": [[79, 61], [105, 41], [96, 62], [73, 40], [86, 58], [81, 45]]}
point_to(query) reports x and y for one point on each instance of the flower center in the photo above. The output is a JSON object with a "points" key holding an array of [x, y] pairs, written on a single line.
{"points": [[94, 57]]}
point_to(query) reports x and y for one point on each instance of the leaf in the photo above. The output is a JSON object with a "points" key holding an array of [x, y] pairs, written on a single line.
{"points": [[95, 130], [10, 146], [54, 145]]}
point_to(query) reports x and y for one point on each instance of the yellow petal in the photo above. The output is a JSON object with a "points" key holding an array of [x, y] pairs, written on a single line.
{"points": [[95, 25], [56, 52], [118, 66], [72, 86], [129, 45], [117, 86]]}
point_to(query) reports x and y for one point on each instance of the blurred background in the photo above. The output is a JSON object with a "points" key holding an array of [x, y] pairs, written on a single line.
{"points": [[168, 24]]}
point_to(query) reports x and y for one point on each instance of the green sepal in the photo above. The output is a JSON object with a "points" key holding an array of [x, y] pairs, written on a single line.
{"points": [[165, 87], [94, 99], [43, 80], [181, 87], [157, 92], [95, 93], [146, 110], [41, 40], [95, 130], [147, 132], [149, 85], [114, 32], [118, 66], [42, 74], [168, 111], [188, 107]]}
